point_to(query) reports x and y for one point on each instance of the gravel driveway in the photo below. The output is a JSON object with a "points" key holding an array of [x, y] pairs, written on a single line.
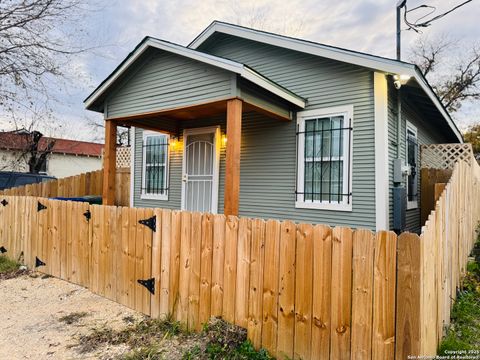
{"points": [[34, 321]]}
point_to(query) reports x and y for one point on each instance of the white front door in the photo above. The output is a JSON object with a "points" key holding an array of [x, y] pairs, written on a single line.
{"points": [[200, 169]]}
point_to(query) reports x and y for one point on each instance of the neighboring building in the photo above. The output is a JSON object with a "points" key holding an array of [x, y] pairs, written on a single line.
{"points": [[66, 158], [261, 125]]}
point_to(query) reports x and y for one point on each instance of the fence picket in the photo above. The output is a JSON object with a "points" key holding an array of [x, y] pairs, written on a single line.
{"points": [[322, 273], [383, 346], [257, 259], [341, 290], [217, 265], [230, 269], [243, 272], [303, 291], [204, 311], [270, 286], [362, 293], [286, 296]]}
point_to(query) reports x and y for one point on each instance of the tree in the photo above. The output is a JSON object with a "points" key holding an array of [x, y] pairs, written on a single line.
{"points": [[454, 83], [37, 39], [472, 136]]}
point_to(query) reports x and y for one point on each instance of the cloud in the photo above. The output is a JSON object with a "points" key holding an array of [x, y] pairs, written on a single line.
{"points": [[117, 26]]}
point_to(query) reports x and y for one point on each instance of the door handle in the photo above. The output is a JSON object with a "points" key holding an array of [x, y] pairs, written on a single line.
{"points": [[184, 177]]}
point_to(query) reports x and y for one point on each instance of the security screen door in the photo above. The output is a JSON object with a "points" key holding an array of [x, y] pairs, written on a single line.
{"points": [[200, 170]]}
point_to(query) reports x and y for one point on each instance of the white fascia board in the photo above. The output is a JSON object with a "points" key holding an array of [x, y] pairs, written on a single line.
{"points": [[365, 60], [427, 89], [392, 67], [225, 64]]}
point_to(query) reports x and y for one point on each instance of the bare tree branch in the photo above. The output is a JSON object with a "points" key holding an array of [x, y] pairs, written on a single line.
{"points": [[452, 84]]}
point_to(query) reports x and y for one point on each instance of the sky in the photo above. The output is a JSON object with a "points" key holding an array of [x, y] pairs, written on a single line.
{"points": [[115, 27]]}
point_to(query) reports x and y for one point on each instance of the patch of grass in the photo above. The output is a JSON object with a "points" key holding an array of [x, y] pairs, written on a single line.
{"points": [[141, 335], [7, 265], [150, 352], [73, 318], [464, 331]]}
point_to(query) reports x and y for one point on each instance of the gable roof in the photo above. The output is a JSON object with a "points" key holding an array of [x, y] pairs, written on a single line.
{"points": [[219, 62], [386, 65], [12, 140]]}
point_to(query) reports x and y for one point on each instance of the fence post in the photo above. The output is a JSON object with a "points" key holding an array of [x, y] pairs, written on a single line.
{"points": [[408, 317]]}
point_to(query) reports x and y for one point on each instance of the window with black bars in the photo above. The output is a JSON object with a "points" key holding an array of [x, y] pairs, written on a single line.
{"points": [[326, 157], [412, 160], [155, 165]]}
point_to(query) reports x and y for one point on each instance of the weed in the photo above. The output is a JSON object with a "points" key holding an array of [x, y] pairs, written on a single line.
{"points": [[9, 268], [143, 334], [7, 265], [193, 353], [464, 331], [73, 318], [150, 352]]}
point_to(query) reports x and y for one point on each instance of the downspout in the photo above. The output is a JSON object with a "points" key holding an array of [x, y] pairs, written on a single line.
{"points": [[399, 122]]}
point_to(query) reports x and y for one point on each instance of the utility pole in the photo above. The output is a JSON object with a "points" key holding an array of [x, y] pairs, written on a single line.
{"points": [[400, 5]]}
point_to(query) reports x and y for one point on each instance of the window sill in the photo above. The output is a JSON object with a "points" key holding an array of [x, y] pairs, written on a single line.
{"points": [[154, 197], [323, 206], [411, 205]]}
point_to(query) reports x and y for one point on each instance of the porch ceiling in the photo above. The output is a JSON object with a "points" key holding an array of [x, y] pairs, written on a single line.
{"points": [[167, 120]]}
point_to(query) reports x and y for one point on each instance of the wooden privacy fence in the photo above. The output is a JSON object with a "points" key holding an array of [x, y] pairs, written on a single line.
{"points": [[431, 267], [89, 183], [302, 291]]}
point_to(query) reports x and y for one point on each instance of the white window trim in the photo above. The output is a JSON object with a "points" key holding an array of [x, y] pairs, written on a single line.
{"points": [[409, 126], [347, 112], [146, 196]]}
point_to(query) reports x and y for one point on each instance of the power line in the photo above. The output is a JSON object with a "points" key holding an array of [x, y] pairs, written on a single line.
{"points": [[416, 24]]}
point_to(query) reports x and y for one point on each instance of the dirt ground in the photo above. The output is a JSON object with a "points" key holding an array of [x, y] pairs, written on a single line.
{"points": [[31, 308]]}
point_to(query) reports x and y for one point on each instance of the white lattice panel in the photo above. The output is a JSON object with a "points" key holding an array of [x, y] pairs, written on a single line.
{"points": [[444, 156], [123, 156]]}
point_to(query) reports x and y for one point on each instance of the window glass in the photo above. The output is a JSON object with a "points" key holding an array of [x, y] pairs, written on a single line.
{"points": [[412, 180], [155, 164], [324, 159]]}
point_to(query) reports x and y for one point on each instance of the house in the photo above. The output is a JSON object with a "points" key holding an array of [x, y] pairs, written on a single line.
{"points": [[255, 124], [62, 157]]}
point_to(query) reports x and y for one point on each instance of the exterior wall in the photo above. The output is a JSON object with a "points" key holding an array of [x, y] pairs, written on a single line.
{"points": [[11, 161], [268, 159], [268, 164], [61, 166], [427, 134], [166, 81], [58, 165], [175, 168]]}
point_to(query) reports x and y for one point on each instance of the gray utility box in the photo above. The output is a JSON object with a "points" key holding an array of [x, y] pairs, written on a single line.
{"points": [[399, 208]]}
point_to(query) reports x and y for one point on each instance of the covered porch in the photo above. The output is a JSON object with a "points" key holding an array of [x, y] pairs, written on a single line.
{"points": [[166, 88], [221, 118]]}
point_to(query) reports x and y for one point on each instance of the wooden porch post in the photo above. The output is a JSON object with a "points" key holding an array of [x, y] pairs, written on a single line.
{"points": [[232, 168], [109, 163]]}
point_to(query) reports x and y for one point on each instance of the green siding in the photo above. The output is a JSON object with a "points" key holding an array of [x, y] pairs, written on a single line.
{"points": [[268, 163], [166, 81], [175, 168], [426, 133]]}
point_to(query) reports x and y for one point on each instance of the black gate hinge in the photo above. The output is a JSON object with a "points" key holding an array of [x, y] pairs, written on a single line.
{"points": [[4, 202], [150, 223], [88, 215], [40, 206], [39, 262], [3, 250], [149, 284]]}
